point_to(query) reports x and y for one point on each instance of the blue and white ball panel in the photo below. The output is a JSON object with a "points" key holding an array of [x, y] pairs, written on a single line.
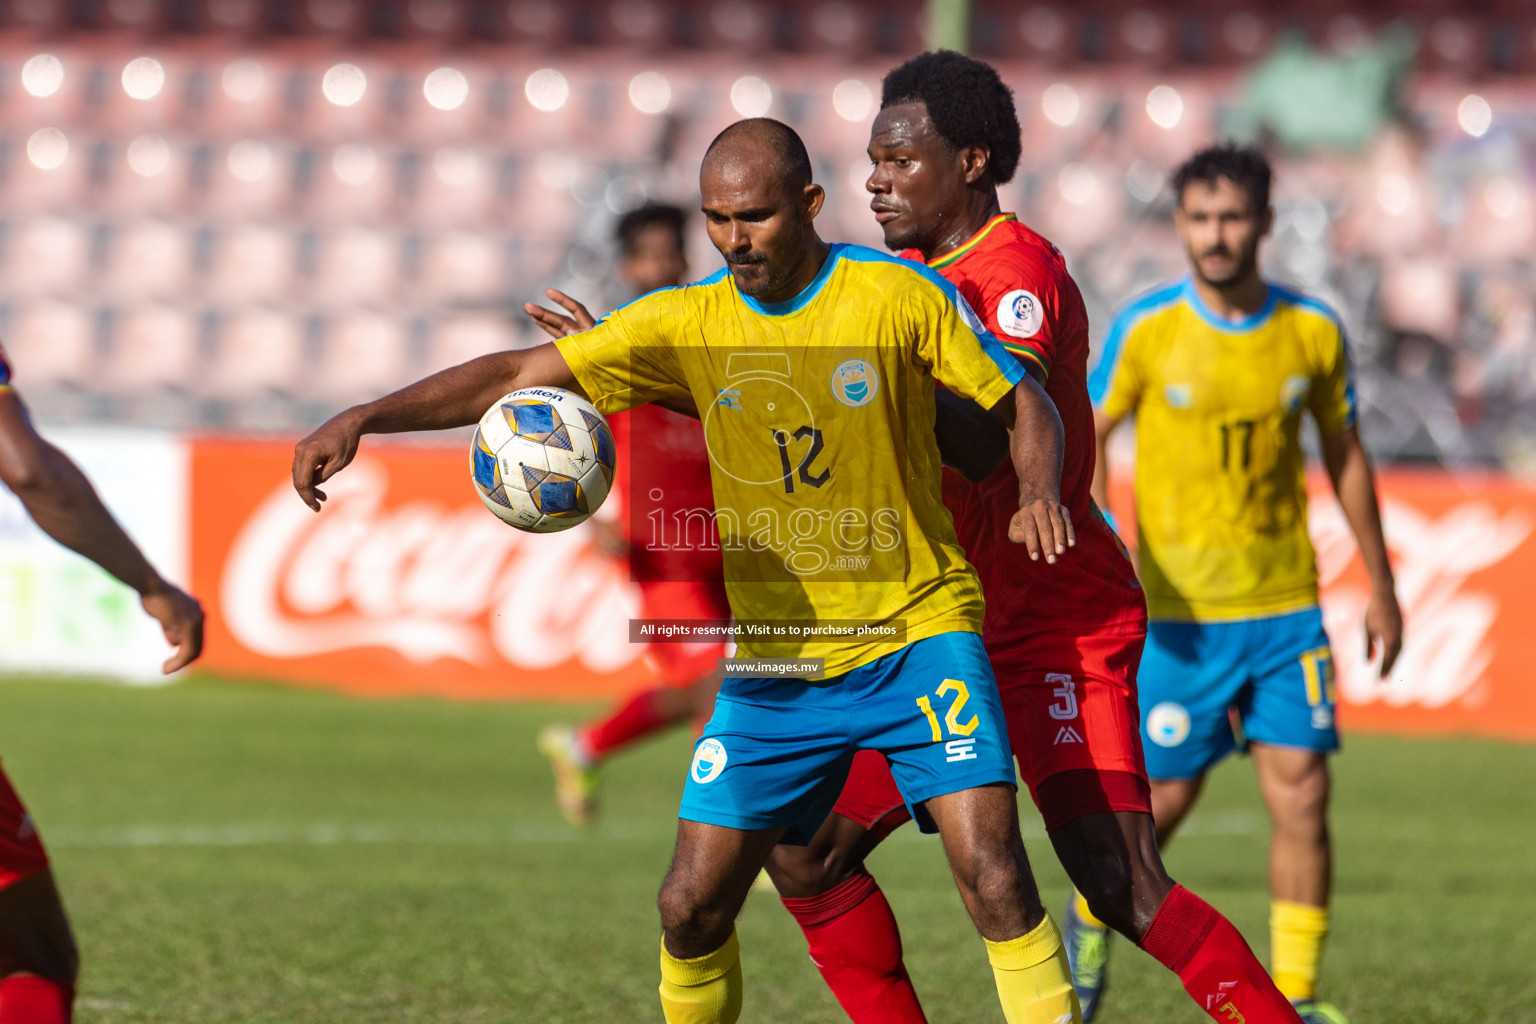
{"points": [[543, 459], [1277, 672], [777, 751]]}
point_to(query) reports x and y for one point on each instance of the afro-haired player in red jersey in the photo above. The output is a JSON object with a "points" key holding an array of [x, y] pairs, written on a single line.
{"points": [[38, 959], [1065, 639], [679, 578]]}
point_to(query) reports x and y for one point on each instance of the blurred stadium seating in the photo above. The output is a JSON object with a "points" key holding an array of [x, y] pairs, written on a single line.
{"points": [[224, 213]]}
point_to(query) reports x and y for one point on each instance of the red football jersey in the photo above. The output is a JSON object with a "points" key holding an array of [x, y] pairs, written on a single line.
{"points": [[1017, 282], [663, 480]]}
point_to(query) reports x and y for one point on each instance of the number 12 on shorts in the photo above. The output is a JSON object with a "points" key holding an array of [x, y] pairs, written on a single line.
{"points": [[961, 747]]}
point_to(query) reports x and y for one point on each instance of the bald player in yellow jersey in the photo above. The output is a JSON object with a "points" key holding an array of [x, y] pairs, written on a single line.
{"points": [[1218, 370], [812, 367]]}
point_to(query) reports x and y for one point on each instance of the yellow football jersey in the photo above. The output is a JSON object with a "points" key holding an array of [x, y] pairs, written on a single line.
{"points": [[818, 414], [1221, 501]]}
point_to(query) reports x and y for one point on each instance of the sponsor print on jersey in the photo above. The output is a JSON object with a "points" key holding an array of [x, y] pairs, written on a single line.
{"points": [[1066, 734], [1168, 724], [855, 383], [708, 761], [1019, 313]]}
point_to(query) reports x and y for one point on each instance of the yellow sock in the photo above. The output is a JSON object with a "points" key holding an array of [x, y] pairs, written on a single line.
{"points": [[1033, 981], [705, 990], [1296, 934], [1084, 914]]}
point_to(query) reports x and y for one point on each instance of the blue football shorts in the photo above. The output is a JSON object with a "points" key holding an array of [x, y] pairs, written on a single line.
{"points": [[1276, 673], [776, 752]]}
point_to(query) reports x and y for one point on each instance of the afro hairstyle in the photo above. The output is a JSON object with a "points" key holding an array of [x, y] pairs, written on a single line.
{"points": [[967, 103]]}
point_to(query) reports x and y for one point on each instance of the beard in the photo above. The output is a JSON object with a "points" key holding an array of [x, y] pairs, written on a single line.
{"points": [[754, 275], [1240, 267]]}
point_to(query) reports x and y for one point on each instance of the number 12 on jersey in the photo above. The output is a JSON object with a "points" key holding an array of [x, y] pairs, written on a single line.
{"points": [[960, 748]]}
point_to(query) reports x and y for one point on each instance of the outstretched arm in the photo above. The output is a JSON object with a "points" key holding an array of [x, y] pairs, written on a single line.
{"points": [[455, 397], [1349, 467], [1035, 442], [65, 506]]}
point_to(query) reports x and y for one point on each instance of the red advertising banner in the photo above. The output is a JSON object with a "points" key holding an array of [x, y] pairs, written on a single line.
{"points": [[404, 584]]}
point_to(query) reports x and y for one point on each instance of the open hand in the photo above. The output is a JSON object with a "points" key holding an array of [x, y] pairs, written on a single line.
{"points": [[1043, 526], [556, 325], [322, 455]]}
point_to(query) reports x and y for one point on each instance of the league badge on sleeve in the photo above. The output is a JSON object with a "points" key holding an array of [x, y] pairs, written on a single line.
{"points": [[1020, 314]]}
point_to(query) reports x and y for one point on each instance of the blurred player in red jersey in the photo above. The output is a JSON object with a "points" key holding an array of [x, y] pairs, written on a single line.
{"points": [[1064, 639], [663, 475], [38, 959]]}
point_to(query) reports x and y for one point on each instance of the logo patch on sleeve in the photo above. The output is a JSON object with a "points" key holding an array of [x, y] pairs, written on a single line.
{"points": [[1020, 314]]}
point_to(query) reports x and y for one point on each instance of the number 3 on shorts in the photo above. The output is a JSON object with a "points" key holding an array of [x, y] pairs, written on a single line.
{"points": [[952, 716]]}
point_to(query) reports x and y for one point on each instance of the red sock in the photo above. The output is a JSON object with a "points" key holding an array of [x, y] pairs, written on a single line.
{"points": [[630, 721], [1191, 938], [857, 948], [29, 999]]}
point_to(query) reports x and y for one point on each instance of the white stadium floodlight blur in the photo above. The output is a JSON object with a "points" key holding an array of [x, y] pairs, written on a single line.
{"points": [[344, 85], [852, 100], [244, 80], [547, 89], [1474, 115], [143, 78], [446, 88], [1165, 106], [42, 75], [1394, 193], [1144, 180], [751, 96], [354, 163], [650, 92], [456, 166], [1078, 184], [249, 160], [557, 170], [47, 148], [1503, 197], [149, 155], [1061, 105], [858, 175]]}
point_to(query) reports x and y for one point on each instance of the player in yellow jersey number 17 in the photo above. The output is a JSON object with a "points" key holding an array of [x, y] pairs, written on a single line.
{"points": [[1218, 369]]}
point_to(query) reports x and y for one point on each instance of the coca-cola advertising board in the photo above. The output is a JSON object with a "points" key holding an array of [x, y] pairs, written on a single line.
{"points": [[404, 584]]}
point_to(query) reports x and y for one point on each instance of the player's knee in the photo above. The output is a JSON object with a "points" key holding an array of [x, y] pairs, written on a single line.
{"points": [[798, 874], [693, 924]]}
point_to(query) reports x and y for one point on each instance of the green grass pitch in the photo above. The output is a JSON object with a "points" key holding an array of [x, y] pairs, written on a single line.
{"points": [[237, 852]]}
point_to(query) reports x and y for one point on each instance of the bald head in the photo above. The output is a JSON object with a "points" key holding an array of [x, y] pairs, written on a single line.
{"points": [[758, 145], [759, 202]]}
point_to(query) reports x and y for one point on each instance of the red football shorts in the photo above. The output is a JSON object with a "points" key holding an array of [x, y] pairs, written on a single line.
{"points": [[1073, 724], [21, 851], [683, 664]]}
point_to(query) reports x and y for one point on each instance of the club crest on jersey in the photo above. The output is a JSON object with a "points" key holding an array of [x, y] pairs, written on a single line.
{"points": [[1293, 392], [855, 383], [708, 761], [1168, 724], [1019, 313], [1179, 396]]}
